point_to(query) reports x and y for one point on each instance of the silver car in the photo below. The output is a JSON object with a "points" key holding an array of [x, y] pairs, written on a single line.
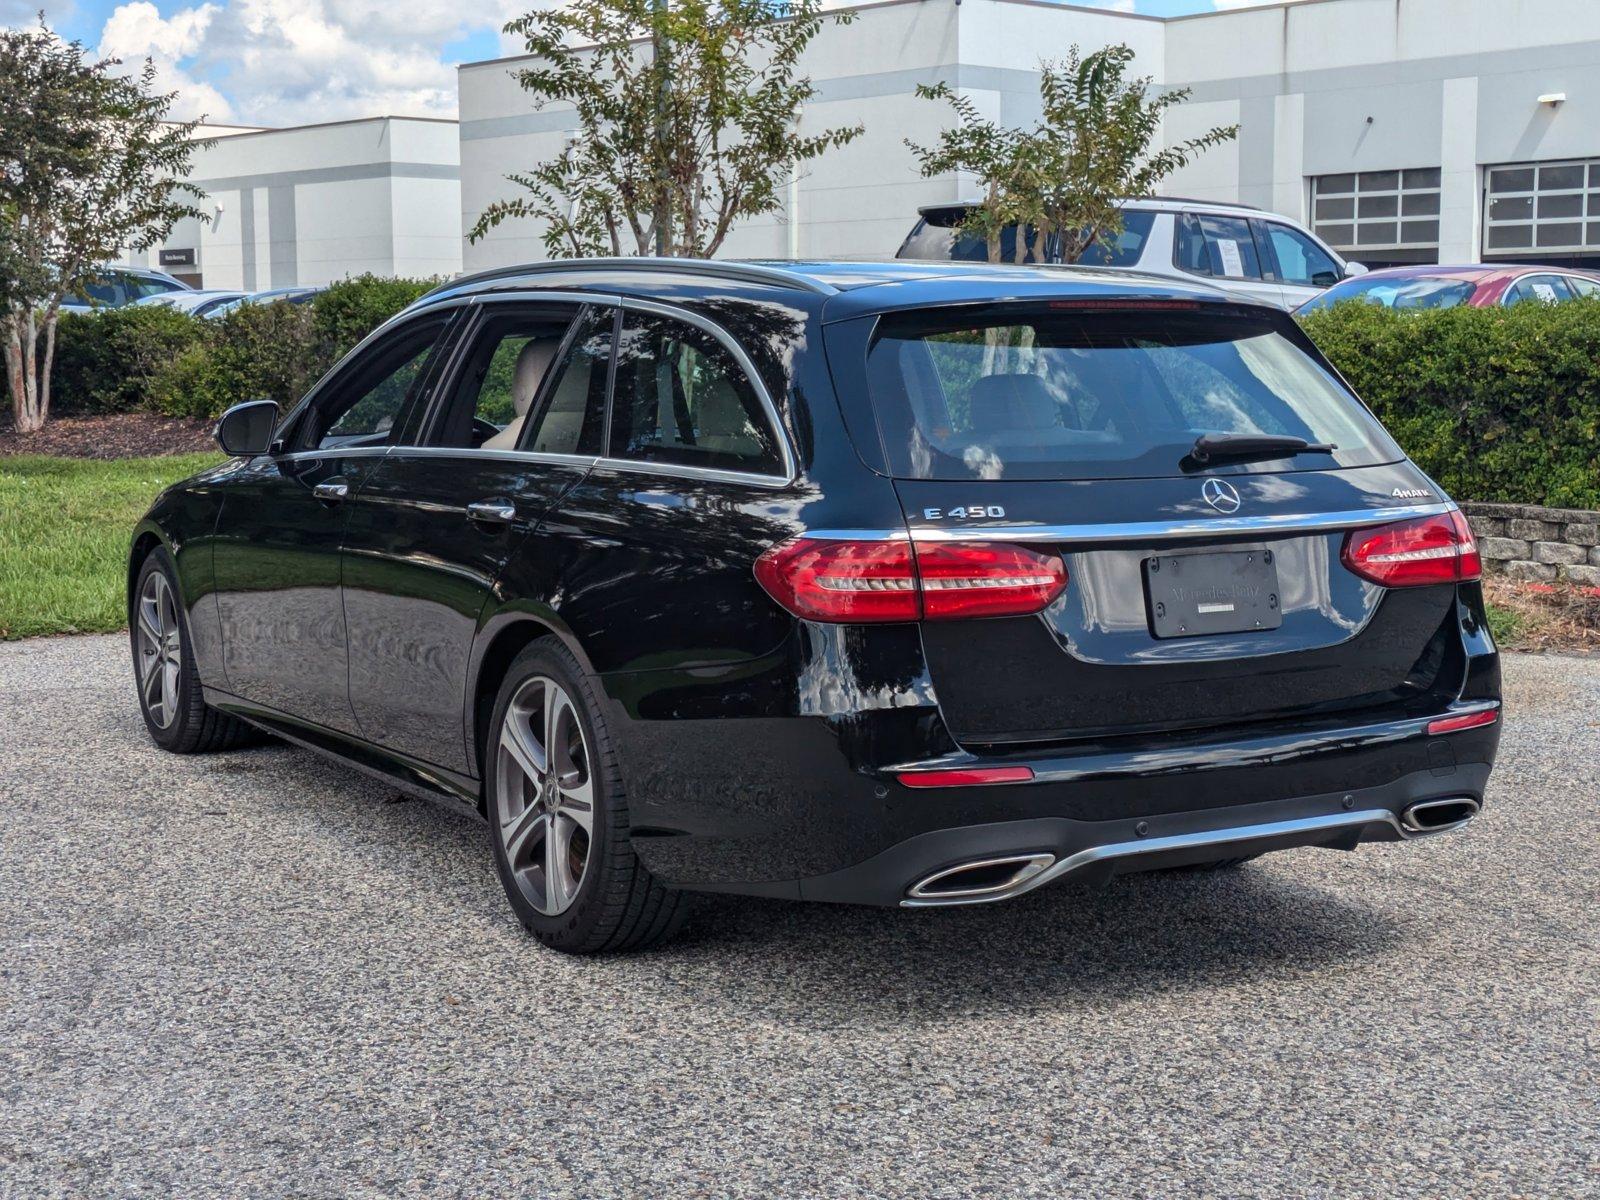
{"points": [[1255, 254]]}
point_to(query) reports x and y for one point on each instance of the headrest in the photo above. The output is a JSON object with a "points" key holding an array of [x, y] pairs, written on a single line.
{"points": [[1011, 403], [532, 363]]}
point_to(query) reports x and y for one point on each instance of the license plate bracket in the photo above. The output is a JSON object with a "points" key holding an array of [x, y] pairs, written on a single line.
{"points": [[1212, 591]]}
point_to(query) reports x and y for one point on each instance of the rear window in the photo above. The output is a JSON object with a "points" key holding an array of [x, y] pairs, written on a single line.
{"points": [[1096, 395], [1436, 292], [937, 238]]}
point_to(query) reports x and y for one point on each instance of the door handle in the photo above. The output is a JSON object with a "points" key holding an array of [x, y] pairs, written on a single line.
{"points": [[492, 512], [332, 491]]}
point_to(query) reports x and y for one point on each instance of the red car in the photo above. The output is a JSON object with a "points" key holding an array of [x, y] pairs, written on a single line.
{"points": [[1480, 286]]}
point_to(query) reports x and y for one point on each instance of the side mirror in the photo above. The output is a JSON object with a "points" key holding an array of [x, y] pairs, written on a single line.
{"points": [[1354, 270], [245, 430]]}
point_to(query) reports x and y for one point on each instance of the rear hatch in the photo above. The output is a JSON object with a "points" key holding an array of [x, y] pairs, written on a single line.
{"points": [[1221, 584]]}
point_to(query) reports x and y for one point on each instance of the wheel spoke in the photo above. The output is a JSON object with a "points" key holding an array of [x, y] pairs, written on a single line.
{"points": [[149, 630], [516, 738], [150, 685], [559, 884], [553, 699], [528, 825], [577, 802], [169, 688]]}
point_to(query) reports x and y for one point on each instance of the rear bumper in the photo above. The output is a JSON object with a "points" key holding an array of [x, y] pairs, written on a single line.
{"points": [[1055, 849]]}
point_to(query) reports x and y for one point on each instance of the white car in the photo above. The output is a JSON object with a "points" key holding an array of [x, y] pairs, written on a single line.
{"points": [[1255, 254], [196, 303]]}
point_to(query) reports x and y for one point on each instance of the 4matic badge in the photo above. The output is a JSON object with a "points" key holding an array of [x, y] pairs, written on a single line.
{"points": [[1410, 494]]}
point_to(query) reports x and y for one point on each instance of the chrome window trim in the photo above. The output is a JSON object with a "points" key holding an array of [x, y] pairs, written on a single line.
{"points": [[686, 471], [331, 452], [1142, 531], [528, 456]]}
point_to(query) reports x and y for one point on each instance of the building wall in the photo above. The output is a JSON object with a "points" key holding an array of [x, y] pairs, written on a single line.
{"points": [[856, 202], [1339, 86], [1319, 88], [314, 204]]}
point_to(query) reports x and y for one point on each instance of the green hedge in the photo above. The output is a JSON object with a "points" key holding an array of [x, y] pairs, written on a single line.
{"points": [[146, 357], [1497, 404], [110, 361]]}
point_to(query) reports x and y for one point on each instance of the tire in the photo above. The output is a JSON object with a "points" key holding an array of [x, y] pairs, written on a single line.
{"points": [[548, 755], [164, 674]]}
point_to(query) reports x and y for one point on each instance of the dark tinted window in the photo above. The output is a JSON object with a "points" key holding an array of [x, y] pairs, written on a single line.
{"points": [[938, 237], [1030, 395], [682, 398], [572, 413], [364, 405]]}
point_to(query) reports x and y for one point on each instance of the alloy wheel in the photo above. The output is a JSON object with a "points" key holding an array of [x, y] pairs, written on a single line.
{"points": [[160, 649], [545, 795]]}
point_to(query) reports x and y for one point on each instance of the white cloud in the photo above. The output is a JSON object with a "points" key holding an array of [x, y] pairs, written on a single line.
{"points": [[284, 62], [1227, 4]]}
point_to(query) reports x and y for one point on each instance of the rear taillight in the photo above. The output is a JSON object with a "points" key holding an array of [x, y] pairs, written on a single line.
{"points": [[1427, 550], [859, 582]]}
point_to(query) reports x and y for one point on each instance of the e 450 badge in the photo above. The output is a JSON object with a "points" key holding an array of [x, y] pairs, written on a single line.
{"points": [[976, 512]]}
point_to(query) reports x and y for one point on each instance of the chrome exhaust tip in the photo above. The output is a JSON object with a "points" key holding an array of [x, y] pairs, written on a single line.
{"points": [[1437, 816], [980, 880]]}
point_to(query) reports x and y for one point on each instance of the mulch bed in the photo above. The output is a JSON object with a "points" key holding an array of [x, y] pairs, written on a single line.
{"points": [[116, 435]]}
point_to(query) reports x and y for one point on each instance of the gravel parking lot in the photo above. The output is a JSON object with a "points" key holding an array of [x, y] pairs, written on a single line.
{"points": [[258, 974]]}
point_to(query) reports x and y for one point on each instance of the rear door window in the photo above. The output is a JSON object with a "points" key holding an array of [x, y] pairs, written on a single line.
{"points": [[680, 397], [1221, 247], [1061, 395], [1546, 289]]}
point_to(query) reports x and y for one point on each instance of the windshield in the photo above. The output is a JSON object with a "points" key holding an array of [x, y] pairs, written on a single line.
{"points": [[1098, 395], [1427, 292]]}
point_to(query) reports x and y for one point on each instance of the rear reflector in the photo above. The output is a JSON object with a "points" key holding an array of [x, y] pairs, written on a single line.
{"points": [[1465, 721], [1437, 549], [859, 582], [966, 777]]}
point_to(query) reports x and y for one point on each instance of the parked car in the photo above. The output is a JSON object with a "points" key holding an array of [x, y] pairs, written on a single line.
{"points": [[288, 295], [1253, 254], [1479, 286], [890, 584], [122, 285], [196, 302]]}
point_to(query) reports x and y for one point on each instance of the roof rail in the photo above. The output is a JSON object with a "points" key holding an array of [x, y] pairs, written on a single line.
{"points": [[925, 209], [720, 269]]}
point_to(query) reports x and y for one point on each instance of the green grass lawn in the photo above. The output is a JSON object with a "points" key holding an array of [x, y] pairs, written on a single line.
{"points": [[65, 525]]}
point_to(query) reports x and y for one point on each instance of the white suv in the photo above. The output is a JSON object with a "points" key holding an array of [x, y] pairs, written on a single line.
{"points": [[1243, 249]]}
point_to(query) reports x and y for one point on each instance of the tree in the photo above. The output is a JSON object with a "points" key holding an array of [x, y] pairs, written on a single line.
{"points": [[89, 167], [1062, 182], [687, 121]]}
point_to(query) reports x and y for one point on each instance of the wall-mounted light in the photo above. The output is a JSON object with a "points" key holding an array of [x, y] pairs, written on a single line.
{"points": [[1553, 99]]}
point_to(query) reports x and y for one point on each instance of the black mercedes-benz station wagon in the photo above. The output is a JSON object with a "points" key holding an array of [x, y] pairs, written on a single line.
{"points": [[901, 584]]}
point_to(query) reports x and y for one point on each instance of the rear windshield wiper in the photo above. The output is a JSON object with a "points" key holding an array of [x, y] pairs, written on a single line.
{"points": [[1237, 447]]}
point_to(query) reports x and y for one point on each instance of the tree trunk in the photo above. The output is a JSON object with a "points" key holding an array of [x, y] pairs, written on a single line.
{"points": [[22, 372], [48, 366]]}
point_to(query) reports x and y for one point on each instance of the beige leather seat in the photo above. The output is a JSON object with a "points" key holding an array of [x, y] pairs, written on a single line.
{"points": [[532, 363]]}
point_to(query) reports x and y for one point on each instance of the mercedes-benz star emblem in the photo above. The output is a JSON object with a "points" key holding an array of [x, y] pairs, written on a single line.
{"points": [[1220, 495]]}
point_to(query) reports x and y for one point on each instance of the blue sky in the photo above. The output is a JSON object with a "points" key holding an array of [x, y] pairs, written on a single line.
{"points": [[284, 62]]}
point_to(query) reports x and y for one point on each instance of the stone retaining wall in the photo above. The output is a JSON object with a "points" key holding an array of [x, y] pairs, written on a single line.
{"points": [[1524, 541]]}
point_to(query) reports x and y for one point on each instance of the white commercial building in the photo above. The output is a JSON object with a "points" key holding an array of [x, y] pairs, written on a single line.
{"points": [[1403, 130], [316, 203]]}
